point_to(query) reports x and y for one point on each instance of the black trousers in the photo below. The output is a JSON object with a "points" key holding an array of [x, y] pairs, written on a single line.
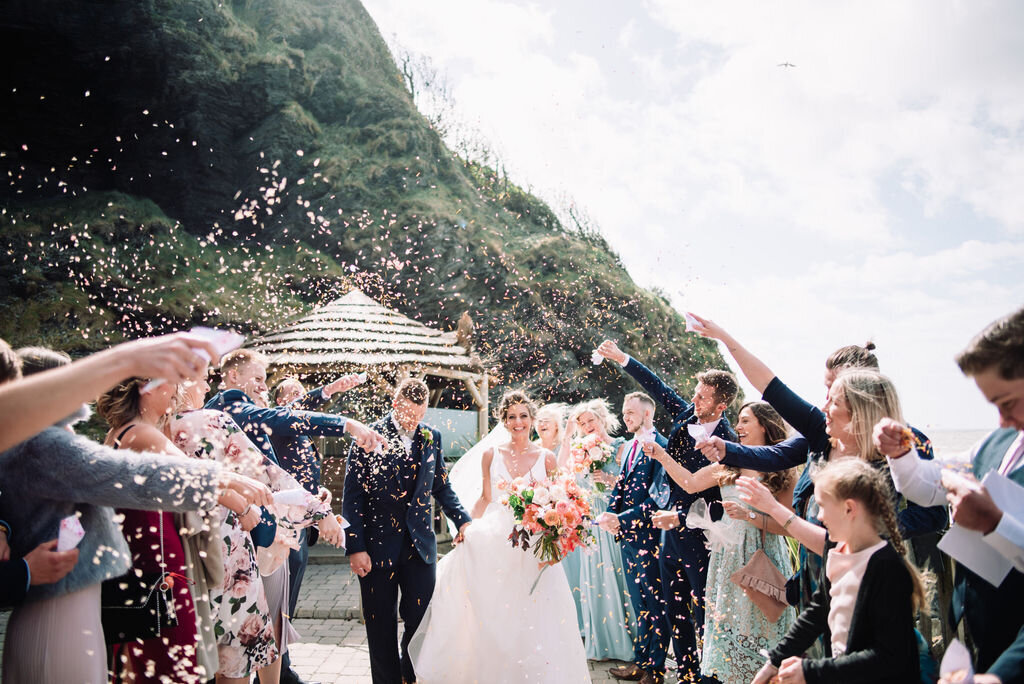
{"points": [[397, 565], [684, 573]]}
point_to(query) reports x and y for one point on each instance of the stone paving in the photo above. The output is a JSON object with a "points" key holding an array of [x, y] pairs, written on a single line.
{"points": [[333, 647]]}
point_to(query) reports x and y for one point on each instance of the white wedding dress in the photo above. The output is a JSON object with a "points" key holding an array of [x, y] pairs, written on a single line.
{"points": [[483, 625]]}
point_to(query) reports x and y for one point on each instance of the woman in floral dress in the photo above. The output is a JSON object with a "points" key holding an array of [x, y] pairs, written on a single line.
{"points": [[242, 622]]}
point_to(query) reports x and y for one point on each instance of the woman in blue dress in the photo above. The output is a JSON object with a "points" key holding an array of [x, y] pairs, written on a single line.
{"points": [[595, 574]]}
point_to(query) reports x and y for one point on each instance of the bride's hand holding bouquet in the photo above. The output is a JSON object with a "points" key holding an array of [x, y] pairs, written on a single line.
{"points": [[551, 516]]}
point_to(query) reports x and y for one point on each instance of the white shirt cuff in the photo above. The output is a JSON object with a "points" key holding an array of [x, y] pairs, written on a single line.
{"points": [[918, 480], [1008, 540]]}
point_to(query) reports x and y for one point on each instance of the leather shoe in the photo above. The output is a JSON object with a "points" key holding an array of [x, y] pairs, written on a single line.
{"points": [[629, 672], [652, 678]]}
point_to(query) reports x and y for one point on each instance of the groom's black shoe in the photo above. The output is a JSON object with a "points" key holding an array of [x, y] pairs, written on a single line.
{"points": [[630, 672], [652, 678], [289, 677]]}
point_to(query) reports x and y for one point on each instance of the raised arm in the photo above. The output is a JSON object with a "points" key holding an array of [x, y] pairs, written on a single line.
{"points": [[766, 459], [662, 393], [753, 368], [29, 406]]}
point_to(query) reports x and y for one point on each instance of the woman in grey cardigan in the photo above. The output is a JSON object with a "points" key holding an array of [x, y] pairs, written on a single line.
{"points": [[56, 636]]}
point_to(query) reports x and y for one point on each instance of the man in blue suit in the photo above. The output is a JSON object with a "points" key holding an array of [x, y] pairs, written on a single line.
{"points": [[683, 560], [299, 456], [391, 543], [628, 517]]}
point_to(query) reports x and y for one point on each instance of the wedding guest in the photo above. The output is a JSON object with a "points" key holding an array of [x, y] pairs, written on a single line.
{"points": [[867, 593], [857, 399], [246, 624], [595, 574], [43, 564], [628, 517], [138, 422], [994, 359], [550, 426], [683, 557], [299, 456], [31, 405], [56, 636], [737, 630], [38, 359]]}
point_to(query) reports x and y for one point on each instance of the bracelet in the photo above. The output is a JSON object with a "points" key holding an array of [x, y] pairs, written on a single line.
{"points": [[245, 511], [791, 518]]}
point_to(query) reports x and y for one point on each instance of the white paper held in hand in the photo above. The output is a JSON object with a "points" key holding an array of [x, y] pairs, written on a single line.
{"points": [[692, 324], [956, 664], [71, 532], [698, 432], [596, 358], [291, 497], [362, 377], [223, 341]]}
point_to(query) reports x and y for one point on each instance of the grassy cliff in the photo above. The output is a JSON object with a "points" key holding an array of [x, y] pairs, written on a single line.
{"points": [[182, 161]]}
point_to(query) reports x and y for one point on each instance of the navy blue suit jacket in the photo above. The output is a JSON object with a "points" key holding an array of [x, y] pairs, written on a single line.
{"points": [[298, 453], [631, 499], [812, 444], [375, 504], [681, 541]]}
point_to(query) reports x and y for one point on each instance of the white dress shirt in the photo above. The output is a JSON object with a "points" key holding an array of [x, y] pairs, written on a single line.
{"points": [[921, 482]]}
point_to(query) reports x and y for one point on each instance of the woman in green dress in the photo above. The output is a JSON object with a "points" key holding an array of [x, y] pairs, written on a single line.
{"points": [[595, 574]]}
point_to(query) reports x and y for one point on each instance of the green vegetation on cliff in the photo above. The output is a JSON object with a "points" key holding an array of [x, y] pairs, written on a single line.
{"points": [[182, 161]]}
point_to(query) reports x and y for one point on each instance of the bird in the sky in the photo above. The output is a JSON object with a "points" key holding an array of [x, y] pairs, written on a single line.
{"points": [[786, 64]]}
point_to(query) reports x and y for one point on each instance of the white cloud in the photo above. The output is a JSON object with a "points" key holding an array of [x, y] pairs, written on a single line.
{"points": [[870, 190]]}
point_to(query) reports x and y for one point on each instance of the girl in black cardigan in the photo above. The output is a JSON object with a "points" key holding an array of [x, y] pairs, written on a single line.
{"points": [[867, 594]]}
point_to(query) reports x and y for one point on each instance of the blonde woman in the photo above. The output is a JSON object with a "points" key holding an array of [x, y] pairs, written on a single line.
{"points": [[603, 606], [550, 426]]}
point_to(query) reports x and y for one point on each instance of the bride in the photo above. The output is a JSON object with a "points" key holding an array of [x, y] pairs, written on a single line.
{"points": [[483, 624]]}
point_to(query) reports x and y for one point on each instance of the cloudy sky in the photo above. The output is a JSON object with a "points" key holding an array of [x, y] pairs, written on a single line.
{"points": [[871, 191]]}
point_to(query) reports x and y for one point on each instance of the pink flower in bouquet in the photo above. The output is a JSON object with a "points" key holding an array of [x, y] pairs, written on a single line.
{"points": [[563, 507], [552, 518]]}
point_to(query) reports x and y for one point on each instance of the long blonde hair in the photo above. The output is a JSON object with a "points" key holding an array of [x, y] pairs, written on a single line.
{"points": [[602, 410], [556, 412], [852, 478], [871, 396]]}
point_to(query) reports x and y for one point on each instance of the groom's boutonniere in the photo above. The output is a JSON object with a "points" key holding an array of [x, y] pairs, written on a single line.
{"points": [[427, 435]]}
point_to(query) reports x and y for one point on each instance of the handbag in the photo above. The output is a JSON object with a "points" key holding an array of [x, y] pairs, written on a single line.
{"points": [[138, 605], [763, 584]]}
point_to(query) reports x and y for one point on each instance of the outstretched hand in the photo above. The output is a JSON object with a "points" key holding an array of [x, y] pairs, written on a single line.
{"points": [[330, 531], [609, 350], [971, 504], [366, 439], [175, 357], [755, 493], [655, 451], [342, 384], [891, 438], [713, 449], [710, 328]]}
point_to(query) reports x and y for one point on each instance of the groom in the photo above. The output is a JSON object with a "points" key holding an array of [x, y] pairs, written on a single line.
{"points": [[391, 544]]}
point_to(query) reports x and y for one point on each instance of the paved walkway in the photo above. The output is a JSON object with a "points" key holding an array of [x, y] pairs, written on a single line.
{"points": [[333, 647]]}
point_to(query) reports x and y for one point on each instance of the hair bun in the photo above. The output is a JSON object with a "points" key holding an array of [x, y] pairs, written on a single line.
{"points": [[870, 346]]}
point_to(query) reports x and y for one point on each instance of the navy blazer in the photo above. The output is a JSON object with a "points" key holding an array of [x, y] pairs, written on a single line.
{"points": [[632, 501], [680, 447], [814, 444], [298, 453], [375, 504]]}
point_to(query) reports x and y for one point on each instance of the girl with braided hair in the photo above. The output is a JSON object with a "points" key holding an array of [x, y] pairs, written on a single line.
{"points": [[867, 593]]}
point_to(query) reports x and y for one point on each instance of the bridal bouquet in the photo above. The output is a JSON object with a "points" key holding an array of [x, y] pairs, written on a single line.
{"points": [[553, 513], [588, 455]]}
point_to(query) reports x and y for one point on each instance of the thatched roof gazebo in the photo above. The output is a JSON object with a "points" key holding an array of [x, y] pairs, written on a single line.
{"points": [[357, 333]]}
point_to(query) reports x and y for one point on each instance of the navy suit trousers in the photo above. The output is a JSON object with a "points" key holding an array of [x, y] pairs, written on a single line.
{"points": [[684, 573], [650, 628], [396, 565]]}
